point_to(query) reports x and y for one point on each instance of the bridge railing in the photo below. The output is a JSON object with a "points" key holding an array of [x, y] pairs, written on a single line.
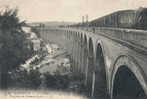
{"points": [[138, 37], [133, 36]]}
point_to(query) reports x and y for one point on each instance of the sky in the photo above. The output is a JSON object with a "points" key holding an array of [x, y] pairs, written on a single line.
{"points": [[68, 10]]}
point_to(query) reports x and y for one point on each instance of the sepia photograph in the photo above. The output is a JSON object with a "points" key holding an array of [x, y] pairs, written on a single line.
{"points": [[73, 49]]}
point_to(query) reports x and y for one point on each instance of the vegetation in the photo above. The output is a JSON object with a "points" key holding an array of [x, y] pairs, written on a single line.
{"points": [[68, 82], [14, 47], [25, 79], [56, 81]]}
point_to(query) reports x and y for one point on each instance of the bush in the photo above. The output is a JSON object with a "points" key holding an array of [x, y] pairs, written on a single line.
{"points": [[24, 79], [56, 81], [34, 78], [50, 80], [77, 77], [62, 81]]}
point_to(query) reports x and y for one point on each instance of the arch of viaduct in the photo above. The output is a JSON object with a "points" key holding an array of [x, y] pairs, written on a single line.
{"points": [[105, 62]]}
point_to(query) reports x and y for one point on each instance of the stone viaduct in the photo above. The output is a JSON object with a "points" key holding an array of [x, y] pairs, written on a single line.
{"points": [[113, 60]]}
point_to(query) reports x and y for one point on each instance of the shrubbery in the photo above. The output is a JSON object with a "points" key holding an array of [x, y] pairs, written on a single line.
{"points": [[25, 79], [56, 81], [34, 78], [76, 76], [71, 82]]}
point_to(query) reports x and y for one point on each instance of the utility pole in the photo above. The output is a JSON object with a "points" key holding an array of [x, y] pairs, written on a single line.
{"points": [[83, 21], [87, 18], [87, 24]]}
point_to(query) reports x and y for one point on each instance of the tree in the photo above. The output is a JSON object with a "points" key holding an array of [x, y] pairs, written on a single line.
{"points": [[14, 47]]}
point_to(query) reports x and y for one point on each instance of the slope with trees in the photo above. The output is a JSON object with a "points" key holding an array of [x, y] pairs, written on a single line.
{"points": [[14, 47]]}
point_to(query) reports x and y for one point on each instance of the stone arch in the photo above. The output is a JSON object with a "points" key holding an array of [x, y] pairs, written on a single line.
{"points": [[127, 79], [73, 35], [78, 51], [66, 34], [71, 47], [81, 52], [99, 79], [81, 37], [74, 51], [76, 35], [85, 58], [90, 64], [69, 35], [90, 54]]}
